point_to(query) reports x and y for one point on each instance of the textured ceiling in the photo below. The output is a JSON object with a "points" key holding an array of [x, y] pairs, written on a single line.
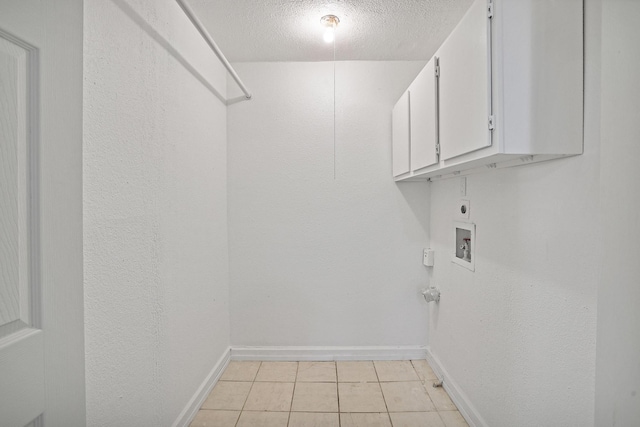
{"points": [[290, 30]]}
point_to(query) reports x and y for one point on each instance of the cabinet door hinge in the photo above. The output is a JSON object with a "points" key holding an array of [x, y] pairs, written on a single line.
{"points": [[490, 10], [437, 66], [437, 71], [492, 121], [438, 149]]}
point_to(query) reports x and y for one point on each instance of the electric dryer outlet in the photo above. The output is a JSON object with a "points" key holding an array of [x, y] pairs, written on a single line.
{"points": [[463, 210]]}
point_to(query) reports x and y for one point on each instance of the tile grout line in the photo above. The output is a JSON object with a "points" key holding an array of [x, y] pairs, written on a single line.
{"points": [[382, 393], [424, 385], [338, 393], [295, 383], [247, 398]]}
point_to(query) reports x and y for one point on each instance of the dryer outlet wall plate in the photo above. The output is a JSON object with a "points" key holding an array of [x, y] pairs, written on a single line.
{"points": [[463, 209]]}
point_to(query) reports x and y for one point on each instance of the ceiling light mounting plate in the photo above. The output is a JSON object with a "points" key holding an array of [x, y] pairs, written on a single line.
{"points": [[330, 21]]}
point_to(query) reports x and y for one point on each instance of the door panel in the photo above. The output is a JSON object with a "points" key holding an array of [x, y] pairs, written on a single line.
{"points": [[423, 93], [464, 85], [12, 64], [401, 137], [15, 86]]}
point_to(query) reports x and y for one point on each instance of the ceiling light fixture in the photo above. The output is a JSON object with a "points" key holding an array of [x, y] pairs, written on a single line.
{"points": [[330, 22]]}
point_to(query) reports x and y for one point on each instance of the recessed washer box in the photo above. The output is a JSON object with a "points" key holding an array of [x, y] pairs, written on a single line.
{"points": [[464, 237]]}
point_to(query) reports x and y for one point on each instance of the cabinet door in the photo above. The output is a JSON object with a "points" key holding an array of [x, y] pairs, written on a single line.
{"points": [[401, 136], [464, 86], [423, 114]]}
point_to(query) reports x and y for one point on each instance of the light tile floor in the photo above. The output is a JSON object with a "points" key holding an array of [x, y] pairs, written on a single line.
{"points": [[328, 394]]}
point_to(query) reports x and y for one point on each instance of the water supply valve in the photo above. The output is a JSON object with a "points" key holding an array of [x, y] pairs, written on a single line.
{"points": [[431, 294]]}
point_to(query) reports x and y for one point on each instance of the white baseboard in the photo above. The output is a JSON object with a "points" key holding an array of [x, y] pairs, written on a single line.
{"points": [[284, 353], [466, 408], [189, 412]]}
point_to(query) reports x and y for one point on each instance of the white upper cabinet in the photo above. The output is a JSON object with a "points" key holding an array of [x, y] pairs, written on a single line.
{"points": [[401, 135], [509, 91], [423, 117], [464, 85]]}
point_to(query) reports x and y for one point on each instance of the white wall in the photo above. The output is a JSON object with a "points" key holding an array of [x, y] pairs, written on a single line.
{"points": [[517, 336], [318, 261], [155, 238], [618, 351]]}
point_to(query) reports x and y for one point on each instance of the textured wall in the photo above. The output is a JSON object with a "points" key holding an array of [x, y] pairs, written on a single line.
{"points": [[518, 334], [316, 260], [156, 261], [618, 353]]}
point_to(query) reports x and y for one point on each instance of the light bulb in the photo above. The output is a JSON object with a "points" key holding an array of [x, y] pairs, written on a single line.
{"points": [[329, 35], [330, 22]]}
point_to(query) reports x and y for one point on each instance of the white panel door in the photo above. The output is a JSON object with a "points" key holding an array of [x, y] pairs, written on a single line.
{"points": [[464, 86], [401, 137], [41, 304], [424, 120]]}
